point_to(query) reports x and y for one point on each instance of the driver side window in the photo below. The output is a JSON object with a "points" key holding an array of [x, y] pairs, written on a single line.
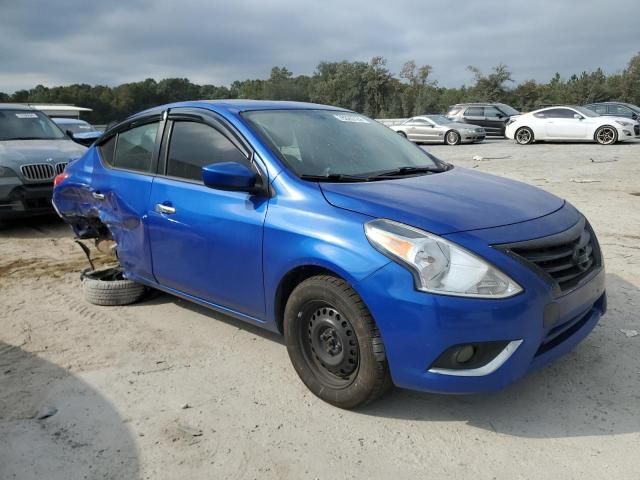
{"points": [[194, 145]]}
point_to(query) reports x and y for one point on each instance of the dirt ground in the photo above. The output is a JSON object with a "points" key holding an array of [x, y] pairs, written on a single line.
{"points": [[117, 380]]}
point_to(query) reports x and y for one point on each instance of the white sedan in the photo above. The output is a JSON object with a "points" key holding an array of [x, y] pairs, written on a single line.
{"points": [[568, 124]]}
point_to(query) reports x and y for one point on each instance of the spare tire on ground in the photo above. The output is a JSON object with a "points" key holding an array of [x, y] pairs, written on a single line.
{"points": [[109, 287]]}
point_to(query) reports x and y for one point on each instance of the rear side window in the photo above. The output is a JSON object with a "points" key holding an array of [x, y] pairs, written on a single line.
{"points": [[620, 111], [601, 109], [107, 150], [134, 148], [474, 112], [195, 145], [453, 110]]}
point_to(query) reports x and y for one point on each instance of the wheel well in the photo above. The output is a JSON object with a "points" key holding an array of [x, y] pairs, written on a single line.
{"points": [[290, 281]]}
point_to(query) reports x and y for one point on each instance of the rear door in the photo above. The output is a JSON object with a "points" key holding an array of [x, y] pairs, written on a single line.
{"points": [[120, 189], [495, 120], [205, 242], [475, 116]]}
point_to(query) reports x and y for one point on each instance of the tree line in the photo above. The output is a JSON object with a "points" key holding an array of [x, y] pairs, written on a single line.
{"points": [[366, 87]]}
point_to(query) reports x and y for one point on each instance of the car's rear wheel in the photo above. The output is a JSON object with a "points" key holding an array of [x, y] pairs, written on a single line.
{"points": [[524, 136], [606, 135], [334, 344], [452, 138], [109, 287]]}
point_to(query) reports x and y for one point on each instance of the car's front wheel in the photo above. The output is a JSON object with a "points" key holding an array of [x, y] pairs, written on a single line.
{"points": [[334, 344], [452, 138], [402, 134], [606, 135], [524, 136]]}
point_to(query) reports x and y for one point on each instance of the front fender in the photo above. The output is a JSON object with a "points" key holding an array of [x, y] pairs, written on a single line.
{"points": [[303, 229]]}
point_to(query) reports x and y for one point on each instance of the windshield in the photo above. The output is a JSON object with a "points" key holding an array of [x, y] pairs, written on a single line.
{"points": [[27, 125], [439, 119], [324, 142], [586, 112], [507, 109]]}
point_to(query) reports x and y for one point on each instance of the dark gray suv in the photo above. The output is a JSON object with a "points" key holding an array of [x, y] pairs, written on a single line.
{"points": [[493, 117], [32, 151]]}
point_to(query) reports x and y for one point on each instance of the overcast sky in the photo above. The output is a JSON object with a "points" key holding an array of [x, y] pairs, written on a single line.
{"points": [[208, 41]]}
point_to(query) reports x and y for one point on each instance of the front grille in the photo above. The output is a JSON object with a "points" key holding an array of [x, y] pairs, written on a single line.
{"points": [[564, 259], [38, 171], [60, 167]]}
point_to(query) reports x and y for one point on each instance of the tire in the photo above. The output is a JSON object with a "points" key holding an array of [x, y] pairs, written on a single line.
{"points": [[452, 138], [108, 287], [334, 344], [524, 136], [606, 135], [402, 134]]}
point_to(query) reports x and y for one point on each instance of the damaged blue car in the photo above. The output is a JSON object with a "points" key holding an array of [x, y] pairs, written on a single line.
{"points": [[379, 263]]}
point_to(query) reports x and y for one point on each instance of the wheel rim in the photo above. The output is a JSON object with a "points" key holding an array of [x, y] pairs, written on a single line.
{"points": [[452, 137], [329, 344], [523, 136], [606, 135]]}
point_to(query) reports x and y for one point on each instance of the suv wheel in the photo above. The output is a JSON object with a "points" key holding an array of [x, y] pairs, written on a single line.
{"points": [[334, 344]]}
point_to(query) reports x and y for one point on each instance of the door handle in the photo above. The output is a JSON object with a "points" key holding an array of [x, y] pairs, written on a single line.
{"points": [[166, 209], [97, 195]]}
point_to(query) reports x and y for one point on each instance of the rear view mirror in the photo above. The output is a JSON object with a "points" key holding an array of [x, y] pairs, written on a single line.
{"points": [[229, 176]]}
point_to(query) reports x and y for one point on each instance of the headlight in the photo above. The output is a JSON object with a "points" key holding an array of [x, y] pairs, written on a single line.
{"points": [[7, 172], [623, 123], [438, 265]]}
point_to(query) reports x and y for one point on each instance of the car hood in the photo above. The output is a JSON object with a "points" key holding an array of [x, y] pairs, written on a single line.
{"points": [[453, 201], [14, 153]]}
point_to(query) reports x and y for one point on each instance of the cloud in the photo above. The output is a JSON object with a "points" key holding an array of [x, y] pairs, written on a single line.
{"points": [[217, 42]]}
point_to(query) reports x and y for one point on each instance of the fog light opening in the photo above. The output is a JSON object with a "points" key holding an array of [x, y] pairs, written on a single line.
{"points": [[465, 354]]}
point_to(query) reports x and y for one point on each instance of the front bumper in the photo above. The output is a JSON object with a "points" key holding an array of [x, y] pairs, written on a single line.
{"points": [[19, 200], [472, 137], [418, 327]]}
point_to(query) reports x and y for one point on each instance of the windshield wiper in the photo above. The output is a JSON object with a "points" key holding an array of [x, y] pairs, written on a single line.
{"points": [[334, 177], [402, 171]]}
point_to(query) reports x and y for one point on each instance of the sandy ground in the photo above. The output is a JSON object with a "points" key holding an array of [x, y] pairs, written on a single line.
{"points": [[118, 378]]}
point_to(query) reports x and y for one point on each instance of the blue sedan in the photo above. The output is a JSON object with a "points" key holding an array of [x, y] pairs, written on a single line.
{"points": [[379, 263]]}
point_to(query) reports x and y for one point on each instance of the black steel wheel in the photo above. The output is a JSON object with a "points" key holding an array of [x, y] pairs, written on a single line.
{"points": [[334, 344]]}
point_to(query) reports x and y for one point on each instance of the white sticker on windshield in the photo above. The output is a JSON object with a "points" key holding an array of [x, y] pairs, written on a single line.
{"points": [[26, 115], [345, 117]]}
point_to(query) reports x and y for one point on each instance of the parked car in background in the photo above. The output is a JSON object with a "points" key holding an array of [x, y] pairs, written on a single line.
{"points": [[493, 117], [439, 129], [618, 109], [80, 131], [569, 123], [32, 151], [378, 262]]}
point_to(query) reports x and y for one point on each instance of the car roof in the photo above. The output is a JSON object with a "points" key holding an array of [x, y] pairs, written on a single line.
{"points": [[15, 106]]}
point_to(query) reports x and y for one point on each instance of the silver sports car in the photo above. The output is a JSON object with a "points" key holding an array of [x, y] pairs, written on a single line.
{"points": [[438, 128]]}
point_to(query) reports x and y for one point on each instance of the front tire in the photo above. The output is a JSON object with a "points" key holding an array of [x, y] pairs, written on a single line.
{"points": [[334, 344], [402, 134], [524, 136], [606, 135], [452, 138]]}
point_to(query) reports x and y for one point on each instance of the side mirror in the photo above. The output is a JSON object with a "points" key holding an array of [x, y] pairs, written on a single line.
{"points": [[232, 176], [577, 116], [634, 116]]}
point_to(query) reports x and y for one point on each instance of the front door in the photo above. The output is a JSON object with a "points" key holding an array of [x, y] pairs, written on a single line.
{"points": [[205, 242]]}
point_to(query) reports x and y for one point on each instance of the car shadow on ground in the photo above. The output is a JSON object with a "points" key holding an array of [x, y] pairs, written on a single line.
{"points": [[594, 390], [84, 436], [49, 226]]}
